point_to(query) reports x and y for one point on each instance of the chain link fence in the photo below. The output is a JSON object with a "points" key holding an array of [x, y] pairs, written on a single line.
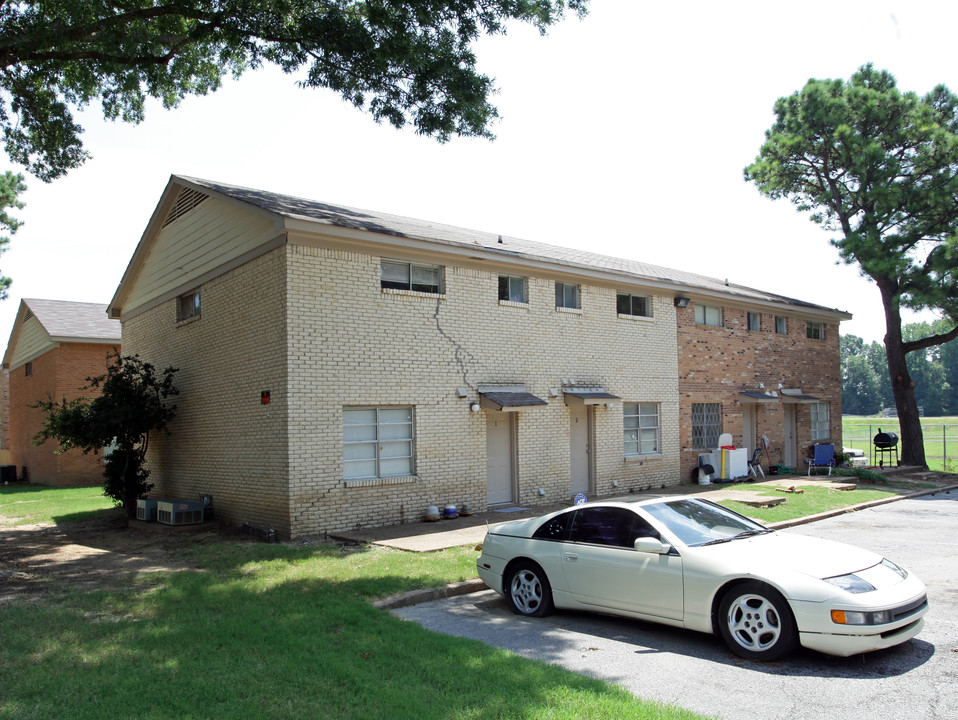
{"points": [[941, 442]]}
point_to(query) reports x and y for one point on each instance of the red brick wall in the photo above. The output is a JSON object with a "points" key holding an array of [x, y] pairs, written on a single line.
{"points": [[60, 373], [717, 363]]}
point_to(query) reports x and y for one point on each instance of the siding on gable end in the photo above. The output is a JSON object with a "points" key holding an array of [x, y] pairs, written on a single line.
{"points": [[32, 341], [209, 237]]}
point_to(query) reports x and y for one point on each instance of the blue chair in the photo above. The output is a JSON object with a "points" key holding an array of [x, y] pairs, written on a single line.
{"points": [[756, 464], [823, 456]]}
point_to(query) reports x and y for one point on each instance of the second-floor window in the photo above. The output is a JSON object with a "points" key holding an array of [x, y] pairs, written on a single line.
{"points": [[188, 306], [708, 315], [512, 289], [781, 326], [754, 321], [638, 305], [398, 275], [567, 296], [814, 330]]}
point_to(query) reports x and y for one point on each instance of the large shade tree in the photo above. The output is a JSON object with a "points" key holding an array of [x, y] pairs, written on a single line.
{"points": [[404, 61], [879, 167]]}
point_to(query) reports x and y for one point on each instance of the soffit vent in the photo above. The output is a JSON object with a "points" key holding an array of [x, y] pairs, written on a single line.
{"points": [[185, 201]]}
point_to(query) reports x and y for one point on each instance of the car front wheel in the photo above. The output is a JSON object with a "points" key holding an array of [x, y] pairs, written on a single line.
{"points": [[528, 590], [756, 622]]}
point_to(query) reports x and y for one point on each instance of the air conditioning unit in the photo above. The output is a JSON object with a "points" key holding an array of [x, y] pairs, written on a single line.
{"points": [[146, 510], [179, 512]]}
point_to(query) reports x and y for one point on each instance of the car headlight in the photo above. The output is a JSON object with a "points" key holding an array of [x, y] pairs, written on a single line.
{"points": [[854, 617], [850, 583]]}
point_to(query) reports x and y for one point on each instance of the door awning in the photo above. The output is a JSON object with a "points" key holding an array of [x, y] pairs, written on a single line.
{"points": [[588, 396], [509, 400], [756, 397], [798, 398]]}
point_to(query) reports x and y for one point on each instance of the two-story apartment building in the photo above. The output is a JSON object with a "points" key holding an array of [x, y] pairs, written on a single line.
{"points": [[55, 345], [342, 368]]}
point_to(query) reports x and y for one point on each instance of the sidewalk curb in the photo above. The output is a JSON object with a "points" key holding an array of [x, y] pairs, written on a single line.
{"points": [[416, 597]]}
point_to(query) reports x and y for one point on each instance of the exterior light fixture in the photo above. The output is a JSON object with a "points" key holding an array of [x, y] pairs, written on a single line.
{"points": [[474, 407], [681, 302]]}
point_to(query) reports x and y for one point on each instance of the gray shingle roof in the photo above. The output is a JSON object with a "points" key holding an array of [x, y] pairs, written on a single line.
{"points": [[65, 320], [395, 225]]}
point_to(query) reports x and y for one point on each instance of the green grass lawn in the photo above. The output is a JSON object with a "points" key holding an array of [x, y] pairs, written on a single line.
{"points": [[811, 501], [251, 630], [23, 504]]}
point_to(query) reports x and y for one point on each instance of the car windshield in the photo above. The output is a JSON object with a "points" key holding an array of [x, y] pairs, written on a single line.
{"points": [[698, 522]]}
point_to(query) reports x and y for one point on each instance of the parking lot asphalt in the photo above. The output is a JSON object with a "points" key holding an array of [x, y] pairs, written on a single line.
{"points": [[918, 679]]}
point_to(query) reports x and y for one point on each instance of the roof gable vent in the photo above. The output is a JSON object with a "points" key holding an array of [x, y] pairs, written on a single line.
{"points": [[185, 201]]}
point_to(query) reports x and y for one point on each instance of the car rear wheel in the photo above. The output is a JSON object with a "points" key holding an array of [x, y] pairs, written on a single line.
{"points": [[528, 590], [756, 622]]}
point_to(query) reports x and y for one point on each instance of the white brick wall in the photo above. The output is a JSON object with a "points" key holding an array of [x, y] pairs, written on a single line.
{"points": [[349, 343]]}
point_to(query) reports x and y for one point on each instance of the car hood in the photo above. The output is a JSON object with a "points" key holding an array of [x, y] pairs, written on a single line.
{"points": [[799, 553]]}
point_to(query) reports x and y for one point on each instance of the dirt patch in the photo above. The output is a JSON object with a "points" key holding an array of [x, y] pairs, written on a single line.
{"points": [[37, 561]]}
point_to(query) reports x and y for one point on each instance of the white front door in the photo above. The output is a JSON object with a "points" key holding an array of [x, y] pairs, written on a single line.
{"points": [[500, 458], [580, 448], [748, 428], [791, 449]]}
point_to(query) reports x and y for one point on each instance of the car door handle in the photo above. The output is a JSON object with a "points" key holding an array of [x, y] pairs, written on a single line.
{"points": [[571, 556]]}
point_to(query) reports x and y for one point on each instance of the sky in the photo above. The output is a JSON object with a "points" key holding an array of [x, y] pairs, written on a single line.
{"points": [[625, 133]]}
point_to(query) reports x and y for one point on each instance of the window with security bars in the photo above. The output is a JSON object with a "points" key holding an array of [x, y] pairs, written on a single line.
{"points": [[377, 442], [820, 429], [706, 425], [398, 275], [641, 428]]}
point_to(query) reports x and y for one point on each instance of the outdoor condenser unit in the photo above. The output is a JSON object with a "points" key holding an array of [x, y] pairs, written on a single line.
{"points": [[179, 512], [146, 510]]}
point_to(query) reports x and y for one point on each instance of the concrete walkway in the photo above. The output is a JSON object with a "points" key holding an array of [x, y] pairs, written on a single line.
{"points": [[425, 536]]}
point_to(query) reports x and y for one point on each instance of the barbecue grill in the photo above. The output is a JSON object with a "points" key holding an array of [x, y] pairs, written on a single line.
{"points": [[886, 443]]}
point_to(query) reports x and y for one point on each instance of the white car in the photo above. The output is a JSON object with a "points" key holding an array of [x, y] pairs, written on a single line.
{"points": [[690, 563]]}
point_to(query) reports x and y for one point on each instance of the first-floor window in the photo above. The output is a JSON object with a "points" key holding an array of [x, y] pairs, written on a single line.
{"points": [[820, 429], [377, 442], [641, 428], [706, 425]]}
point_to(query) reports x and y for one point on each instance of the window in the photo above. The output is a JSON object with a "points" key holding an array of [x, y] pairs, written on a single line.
{"points": [[567, 296], [781, 327], [814, 330], [641, 428], [512, 289], [377, 442], [28, 369], [820, 427], [708, 315], [754, 322], [188, 306], [638, 305], [706, 425], [410, 276], [618, 527]]}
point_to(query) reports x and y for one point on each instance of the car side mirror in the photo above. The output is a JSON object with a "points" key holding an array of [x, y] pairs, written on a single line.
{"points": [[651, 545]]}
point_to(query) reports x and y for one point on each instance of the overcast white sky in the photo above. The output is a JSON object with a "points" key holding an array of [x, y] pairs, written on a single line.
{"points": [[625, 133]]}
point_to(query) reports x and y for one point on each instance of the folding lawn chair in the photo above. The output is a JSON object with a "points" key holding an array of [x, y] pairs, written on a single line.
{"points": [[823, 455]]}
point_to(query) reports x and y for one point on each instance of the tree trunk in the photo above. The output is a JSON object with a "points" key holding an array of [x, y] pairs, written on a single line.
{"points": [[912, 441]]}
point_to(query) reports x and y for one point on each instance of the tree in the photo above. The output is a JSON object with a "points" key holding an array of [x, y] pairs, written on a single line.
{"points": [[11, 185], [860, 383], [404, 61], [879, 167], [132, 403]]}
